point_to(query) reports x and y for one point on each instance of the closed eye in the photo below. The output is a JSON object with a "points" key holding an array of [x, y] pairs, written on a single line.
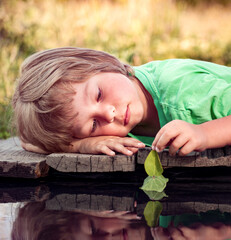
{"points": [[94, 125], [93, 229], [99, 96]]}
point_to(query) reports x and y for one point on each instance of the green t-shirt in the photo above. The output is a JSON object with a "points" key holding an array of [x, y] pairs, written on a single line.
{"points": [[190, 90], [187, 219]]}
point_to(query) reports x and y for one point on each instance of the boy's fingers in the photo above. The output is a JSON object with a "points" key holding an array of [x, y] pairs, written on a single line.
{"points": [[134, 150], [162, 142], [127, 150], [111, 148], [106, 150], [168, 138], [176, 144], [186, 149], [157, 137], [127, 146], [131, 142], [158, 143]]}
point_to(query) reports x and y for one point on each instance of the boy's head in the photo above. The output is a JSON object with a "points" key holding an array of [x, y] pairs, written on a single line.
{"points": [[44, 93]]}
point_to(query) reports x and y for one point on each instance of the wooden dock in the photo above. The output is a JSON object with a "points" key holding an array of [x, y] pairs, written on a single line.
{"points": [[18, 163]]}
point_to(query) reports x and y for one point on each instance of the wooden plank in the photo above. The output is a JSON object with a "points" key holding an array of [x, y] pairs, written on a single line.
{"points": [[74, 162], [207, 158], [15, 162]]}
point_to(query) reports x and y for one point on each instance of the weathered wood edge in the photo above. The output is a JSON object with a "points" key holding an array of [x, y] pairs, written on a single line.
{"points": [[18, 163], [74, 162], [15, 162], [207, 158]]}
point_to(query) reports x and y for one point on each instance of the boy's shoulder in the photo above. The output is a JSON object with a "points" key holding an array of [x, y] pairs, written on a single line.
{"points": [[182, 66]]}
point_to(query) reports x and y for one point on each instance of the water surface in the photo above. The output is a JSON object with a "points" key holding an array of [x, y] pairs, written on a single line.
{"points": [[193, 204]]}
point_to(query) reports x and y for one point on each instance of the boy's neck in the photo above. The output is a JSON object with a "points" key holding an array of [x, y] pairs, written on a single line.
{"points": [[150, 124]]}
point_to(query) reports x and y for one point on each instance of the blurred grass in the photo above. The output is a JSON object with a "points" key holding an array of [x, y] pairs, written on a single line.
{"points": [[136, 31]]}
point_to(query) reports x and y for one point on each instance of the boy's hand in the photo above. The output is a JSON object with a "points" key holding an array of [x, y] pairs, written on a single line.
{"points": [[179, 134], [106, 145], [32, 148]]}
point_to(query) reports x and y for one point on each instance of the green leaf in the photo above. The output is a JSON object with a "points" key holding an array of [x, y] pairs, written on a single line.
{"points": [[154, 183], [153, 165], [152, 213], [154, 195]]}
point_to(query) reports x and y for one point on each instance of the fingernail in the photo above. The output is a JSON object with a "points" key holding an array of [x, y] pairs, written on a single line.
{"points": [[155, 149], [112, 153], [129, 152], [140, 144]]}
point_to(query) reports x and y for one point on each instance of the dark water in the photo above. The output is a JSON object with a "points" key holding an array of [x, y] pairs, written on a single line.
{"points": [[195, 205]]}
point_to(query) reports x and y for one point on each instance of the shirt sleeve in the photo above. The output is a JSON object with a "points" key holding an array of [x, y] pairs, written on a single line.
{"points": [[193, 91]]}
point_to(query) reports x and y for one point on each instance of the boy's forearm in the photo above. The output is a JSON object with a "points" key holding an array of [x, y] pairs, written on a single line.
{"points": [[218, 132]]}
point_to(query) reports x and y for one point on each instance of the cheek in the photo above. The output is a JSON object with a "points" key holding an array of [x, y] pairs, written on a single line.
{"points": [[121, 89]]}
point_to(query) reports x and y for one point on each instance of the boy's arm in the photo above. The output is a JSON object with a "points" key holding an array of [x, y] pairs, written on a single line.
{"points": [[97, 145], [187, 137], [218, 132]]}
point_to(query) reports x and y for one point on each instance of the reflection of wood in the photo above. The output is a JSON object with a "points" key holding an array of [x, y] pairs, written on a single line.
{"points": [[15, 162], [15, 193], [178, 208], [124, 203], [105, 196], [90, 202]]}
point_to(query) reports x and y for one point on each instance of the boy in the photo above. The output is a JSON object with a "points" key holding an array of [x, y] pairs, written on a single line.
{"points": [[87, 101]]}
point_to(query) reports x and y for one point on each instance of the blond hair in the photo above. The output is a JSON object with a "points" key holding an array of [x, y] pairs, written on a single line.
{"points": [[43, 97]]}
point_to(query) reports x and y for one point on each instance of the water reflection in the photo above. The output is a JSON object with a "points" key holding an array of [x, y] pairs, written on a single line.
{"points": [[44, 210], [35, 222]]}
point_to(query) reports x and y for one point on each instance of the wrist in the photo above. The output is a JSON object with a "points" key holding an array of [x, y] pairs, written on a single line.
{"points": [[73, 147], [205, 137], [216, 132]]}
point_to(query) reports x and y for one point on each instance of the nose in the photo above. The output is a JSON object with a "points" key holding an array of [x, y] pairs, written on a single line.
{"points": [[107, 112]]}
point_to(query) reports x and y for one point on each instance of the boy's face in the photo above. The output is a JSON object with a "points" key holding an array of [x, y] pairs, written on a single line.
{"points": [[92, 227], [107, 104]]}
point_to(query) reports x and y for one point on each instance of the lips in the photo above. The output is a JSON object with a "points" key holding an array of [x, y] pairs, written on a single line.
{"points": [[127, 116]]}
